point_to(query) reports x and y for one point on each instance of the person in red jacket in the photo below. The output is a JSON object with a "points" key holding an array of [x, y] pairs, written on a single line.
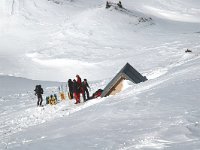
{"points": [[78, 79], [79, 85], [76, 91]]}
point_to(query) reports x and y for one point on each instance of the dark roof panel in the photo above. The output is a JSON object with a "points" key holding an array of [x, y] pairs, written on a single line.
{"points": [[127, 72]]}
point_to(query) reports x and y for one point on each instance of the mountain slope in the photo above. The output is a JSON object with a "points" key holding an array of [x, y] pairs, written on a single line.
{"points": [[86, 35], [161, 113], [57, 39]]}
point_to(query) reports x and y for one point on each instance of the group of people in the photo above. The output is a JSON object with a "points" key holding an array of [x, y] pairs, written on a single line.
{"points": [[188, 51], [77, 87], [109, 4]]}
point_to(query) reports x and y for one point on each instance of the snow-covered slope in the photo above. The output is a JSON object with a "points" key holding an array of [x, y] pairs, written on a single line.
{"points": [[57, 39], [162, 113]]}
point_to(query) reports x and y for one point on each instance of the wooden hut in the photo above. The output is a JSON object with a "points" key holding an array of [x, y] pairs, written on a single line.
{"points": [[116, 84]]}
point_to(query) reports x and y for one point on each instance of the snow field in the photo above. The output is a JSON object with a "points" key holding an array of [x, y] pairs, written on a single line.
{"points": [[57, 39], [156, 117], [86, 35]]}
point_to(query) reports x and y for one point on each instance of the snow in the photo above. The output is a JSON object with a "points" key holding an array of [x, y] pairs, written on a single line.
{"points": [[13, 85], [54, 40]]}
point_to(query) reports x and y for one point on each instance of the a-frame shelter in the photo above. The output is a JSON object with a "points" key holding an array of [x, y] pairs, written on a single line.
{"points": [[116, 84]]}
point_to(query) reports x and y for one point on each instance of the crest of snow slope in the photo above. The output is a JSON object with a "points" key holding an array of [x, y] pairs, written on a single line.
{"points": [[12, 85], [178, 10], [162, 113], [54, 38]]}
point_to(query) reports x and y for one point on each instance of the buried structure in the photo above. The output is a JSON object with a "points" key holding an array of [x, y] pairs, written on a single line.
{"points": [[116, 84]]}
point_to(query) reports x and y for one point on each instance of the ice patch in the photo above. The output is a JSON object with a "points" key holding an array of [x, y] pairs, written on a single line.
{"points": [[60, 62], [152, 143], [147, 143]]}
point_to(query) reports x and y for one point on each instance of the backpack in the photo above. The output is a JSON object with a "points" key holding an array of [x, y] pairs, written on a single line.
{"points": [[38, 89], [97, 93]]}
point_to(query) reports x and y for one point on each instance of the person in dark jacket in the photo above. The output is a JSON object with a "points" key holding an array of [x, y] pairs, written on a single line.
{"points": [[107, 5], [119, 4], [70, 85], [85, 87], [39, 91], [76, 91]]}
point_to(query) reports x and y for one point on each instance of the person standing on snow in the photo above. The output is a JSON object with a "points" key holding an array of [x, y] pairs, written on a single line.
{"points": [[76, 91], [107, 5], [79, 84], [119, 4], [39, 91], [78, 80], [70, 85], [85, 87]]}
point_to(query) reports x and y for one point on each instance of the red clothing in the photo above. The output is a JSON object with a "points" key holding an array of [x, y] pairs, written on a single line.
{"points": [[79, 84], [78, 80], [77, 97]]}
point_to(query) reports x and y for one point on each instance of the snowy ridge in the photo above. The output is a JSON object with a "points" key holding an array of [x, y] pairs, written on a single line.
{"points": [[16, 85]]}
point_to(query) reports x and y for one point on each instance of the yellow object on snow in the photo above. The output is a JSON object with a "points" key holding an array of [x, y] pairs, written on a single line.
{"points": [[62, 96], [52, 100]]}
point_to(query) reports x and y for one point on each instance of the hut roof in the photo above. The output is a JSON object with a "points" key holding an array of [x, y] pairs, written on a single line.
{"points": [[128, 73]]}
